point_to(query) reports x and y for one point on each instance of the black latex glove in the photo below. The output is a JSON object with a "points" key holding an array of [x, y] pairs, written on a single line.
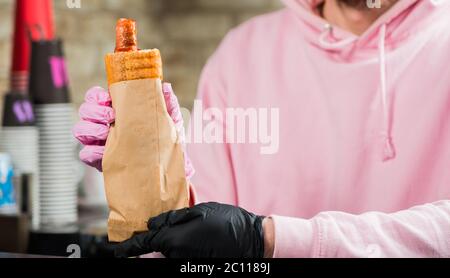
{"points": [[209, 230]]}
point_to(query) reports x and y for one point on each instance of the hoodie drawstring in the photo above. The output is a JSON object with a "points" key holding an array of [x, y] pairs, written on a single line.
{"points": [[388, 148]]}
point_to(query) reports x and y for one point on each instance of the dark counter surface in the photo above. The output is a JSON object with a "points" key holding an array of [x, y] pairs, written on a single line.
{"points": [[22, 256], [89, 234]]}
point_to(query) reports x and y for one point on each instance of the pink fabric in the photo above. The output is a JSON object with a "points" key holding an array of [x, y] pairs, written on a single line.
{"points": [[363, 163], [173, 107]]}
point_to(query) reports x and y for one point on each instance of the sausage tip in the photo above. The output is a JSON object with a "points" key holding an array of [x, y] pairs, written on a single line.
{"points": [[126, 37]]}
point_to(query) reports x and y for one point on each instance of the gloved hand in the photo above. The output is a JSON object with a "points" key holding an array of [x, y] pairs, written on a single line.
{"points": [[208, 230], [97, 114]]}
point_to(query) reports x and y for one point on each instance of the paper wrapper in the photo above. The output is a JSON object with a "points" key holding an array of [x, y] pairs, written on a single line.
{"points": [[143, 164]]}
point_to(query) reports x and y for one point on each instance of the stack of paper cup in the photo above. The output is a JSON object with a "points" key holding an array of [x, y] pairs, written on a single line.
{"points": [[57, 163]]}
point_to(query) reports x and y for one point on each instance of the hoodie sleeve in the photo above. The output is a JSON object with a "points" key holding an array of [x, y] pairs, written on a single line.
{"points": [[214, 178], [422, 231]]}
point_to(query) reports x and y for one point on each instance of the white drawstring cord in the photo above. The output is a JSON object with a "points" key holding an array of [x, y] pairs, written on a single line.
{"points": [[389, 149]]}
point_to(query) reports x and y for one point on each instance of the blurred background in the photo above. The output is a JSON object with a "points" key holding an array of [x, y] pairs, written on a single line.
{"points": [[186, 31], [51, 52]]}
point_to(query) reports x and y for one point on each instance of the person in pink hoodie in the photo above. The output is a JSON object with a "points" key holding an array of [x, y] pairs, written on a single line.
{"points": [[362, 167]]}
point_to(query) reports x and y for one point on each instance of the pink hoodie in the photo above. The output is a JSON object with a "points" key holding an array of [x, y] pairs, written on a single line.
{"points": [[363, 166]]}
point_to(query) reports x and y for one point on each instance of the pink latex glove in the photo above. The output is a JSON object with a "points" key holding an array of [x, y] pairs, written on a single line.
{"points": [[96, 116]]}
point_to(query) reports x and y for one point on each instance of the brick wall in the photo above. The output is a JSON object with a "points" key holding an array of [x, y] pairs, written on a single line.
{"points": [[186, 31]]}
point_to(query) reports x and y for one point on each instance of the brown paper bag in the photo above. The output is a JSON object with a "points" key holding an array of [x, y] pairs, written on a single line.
{"points": [[143, 164]]}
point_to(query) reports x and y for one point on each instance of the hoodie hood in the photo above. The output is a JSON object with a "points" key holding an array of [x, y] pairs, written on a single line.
{"points": [[387, 32], [400, 22]]}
